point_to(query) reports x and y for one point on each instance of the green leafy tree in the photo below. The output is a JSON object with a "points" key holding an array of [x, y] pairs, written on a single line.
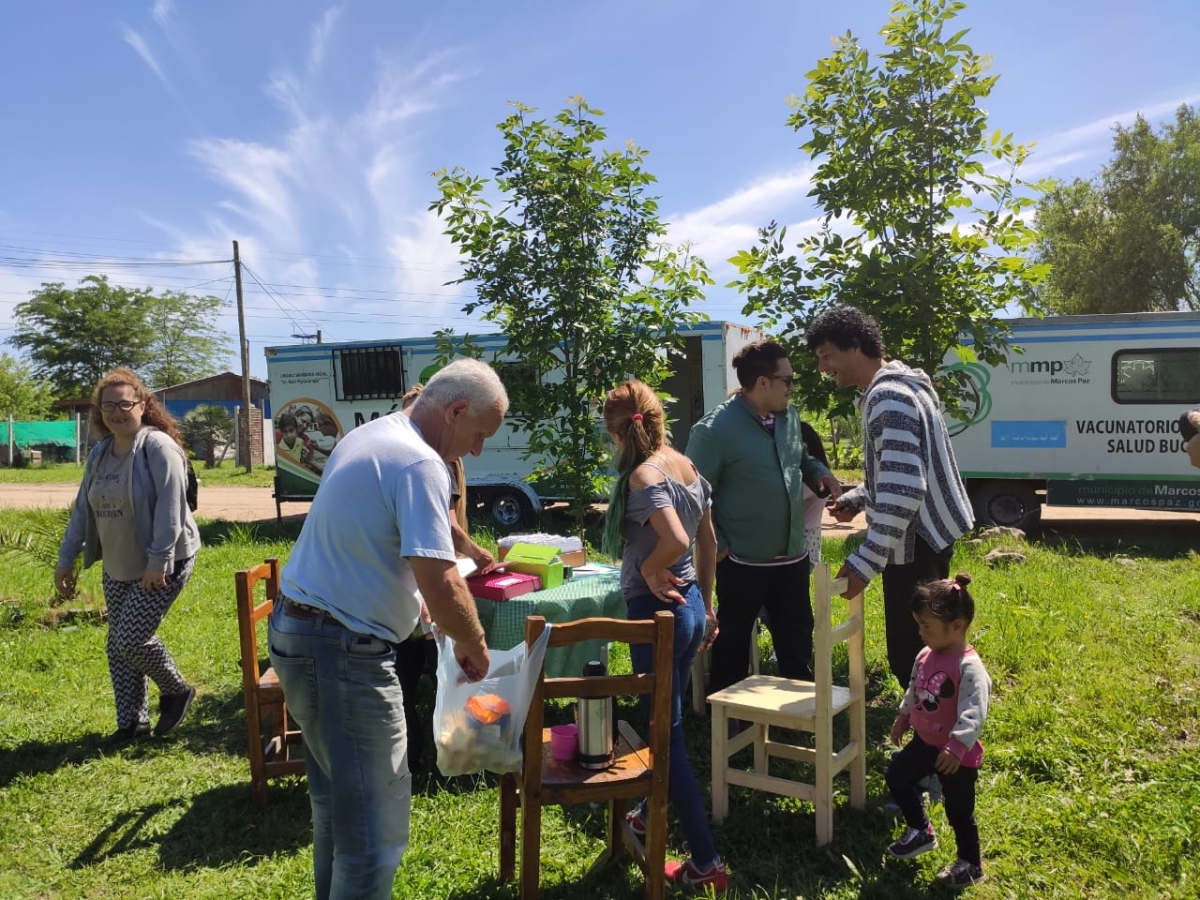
{"points": [[922, 223], [23, 395], [74, 336], [208, 426], [1129, 241], [186, 342], [572, 267]]}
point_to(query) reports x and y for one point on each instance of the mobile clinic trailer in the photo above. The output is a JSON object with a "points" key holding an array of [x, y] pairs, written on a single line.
{"points": [[321, 391], [1088, 415]]}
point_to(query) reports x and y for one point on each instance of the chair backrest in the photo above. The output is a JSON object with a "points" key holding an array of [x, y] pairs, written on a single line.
{"points": [[250, 613], [658, 632], [827, 635]]}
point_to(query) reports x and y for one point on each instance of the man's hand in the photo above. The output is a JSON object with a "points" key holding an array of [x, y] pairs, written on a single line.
{"points": [[855, 585], [484, 561], [947, 763], [473, 657], [831, 485], [840, 512]]}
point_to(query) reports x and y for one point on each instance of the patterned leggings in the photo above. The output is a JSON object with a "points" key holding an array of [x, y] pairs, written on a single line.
{"points": [[134, 651]]}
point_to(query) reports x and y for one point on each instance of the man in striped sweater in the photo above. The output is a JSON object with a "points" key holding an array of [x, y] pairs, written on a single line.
{"points": [[915, 501]]}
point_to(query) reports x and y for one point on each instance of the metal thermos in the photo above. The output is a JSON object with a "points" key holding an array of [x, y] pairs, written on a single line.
{"points": [[595, 725]]}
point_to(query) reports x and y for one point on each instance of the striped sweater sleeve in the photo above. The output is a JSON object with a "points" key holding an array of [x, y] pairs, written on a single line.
{"points": [[893, 436]]}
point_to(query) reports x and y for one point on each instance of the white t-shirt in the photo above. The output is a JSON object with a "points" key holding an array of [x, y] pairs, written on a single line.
{"points": [[384, 496]]}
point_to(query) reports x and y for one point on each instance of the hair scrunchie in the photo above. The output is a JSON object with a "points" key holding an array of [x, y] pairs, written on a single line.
{"points": [[636, 417]]}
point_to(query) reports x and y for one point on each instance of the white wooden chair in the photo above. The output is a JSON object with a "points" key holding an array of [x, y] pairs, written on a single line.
{"points": [[766, 702]]}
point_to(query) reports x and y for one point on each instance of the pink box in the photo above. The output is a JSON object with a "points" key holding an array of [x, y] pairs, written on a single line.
{"points": [[503, 585]]}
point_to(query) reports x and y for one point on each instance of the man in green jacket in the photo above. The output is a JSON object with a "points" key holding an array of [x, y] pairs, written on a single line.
{"points": [[750, 450]]}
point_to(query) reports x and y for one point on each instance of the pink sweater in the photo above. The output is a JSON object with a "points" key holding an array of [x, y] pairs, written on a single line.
{"points": [[947, 701]]}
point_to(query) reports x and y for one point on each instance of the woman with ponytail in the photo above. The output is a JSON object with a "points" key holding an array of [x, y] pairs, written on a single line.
{"points": [[659, 510]]}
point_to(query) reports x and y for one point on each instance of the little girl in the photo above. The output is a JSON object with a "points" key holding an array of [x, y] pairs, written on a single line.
{"points": [[946, 704]]}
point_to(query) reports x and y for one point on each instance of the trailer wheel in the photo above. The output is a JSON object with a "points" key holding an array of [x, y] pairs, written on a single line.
{"points": [[509, 507], [1013, 504]]}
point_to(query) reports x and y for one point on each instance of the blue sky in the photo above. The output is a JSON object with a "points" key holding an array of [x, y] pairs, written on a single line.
{"points": [[161, 130]]}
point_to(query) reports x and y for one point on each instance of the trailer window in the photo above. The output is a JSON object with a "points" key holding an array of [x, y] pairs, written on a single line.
{"points": [[1169, 375], [369, 373]]}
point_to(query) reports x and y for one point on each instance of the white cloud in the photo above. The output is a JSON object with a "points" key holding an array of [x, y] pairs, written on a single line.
{"points": [[163, 11], [1093, 140], [135, 40], [260, 176], [426, 258], [722, 228], [320, 36]]}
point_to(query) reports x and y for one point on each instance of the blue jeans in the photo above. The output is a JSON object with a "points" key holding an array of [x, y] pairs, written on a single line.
{"points": [[682, 787], [341, 688]]}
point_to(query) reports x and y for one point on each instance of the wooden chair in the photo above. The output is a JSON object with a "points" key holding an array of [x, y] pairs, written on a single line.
{"points": [[274, 748], [766, 702], [638, 770]]}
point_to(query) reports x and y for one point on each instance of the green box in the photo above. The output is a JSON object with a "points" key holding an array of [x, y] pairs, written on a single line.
{"points": [[534, 559]]}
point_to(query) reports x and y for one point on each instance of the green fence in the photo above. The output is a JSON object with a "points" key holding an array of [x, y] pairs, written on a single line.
{"points": [[39, 434]]}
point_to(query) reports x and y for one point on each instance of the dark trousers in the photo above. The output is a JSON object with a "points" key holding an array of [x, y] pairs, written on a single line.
{"points": [[415, 657], [741, 592], [915, 762], [899, 581]]}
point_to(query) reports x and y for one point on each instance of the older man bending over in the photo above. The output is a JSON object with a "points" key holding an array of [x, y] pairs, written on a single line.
{"points": [[378, 530]]}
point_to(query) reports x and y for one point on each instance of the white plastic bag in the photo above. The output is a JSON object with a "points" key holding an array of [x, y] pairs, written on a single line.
{"points": [[478, 725]]}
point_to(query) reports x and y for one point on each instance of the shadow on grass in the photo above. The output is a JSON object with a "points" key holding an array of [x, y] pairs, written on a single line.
{"points": [[228, 736], [217, 828]]}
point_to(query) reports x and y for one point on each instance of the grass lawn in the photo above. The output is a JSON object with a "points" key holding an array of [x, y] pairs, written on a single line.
{"points": [[1090, 786], [225, 474]]}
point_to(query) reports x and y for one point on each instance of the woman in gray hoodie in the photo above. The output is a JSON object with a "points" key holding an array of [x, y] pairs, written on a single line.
{"points": [[131, 512]]}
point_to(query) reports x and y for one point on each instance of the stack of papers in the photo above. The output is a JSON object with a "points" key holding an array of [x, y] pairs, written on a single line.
{"points": [[563, 543]]}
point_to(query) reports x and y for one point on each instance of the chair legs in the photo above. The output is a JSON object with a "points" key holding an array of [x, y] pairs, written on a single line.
{"points": [[508, 827]]}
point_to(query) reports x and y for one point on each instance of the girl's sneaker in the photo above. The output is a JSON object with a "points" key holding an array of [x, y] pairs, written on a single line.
{"points": [[961, 874], [914, 843], [636, 820], [688, 874]]}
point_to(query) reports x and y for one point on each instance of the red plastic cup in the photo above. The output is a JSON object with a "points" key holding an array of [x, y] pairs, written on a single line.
{"points": [[564, 742]]}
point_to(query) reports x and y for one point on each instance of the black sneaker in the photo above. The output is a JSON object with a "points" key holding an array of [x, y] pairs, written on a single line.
{"points": [[126, 735], [914, 843], [171, 710], [961, 874]]}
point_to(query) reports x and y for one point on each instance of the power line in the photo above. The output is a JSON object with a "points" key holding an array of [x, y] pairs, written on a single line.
{"points": [[79, 258]]}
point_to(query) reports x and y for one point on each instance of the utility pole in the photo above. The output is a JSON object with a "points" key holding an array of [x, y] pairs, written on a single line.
{"points": [[244, 442]]}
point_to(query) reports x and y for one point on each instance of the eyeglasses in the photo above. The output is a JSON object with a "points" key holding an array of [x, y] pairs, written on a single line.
{"points": [[122, 405], [789, 380]]}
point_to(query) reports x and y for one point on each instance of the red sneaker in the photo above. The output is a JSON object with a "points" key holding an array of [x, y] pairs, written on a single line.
{"points": [[688, 874]]}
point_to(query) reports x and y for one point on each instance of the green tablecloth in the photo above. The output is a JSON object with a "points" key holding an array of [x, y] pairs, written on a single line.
{"points": [[581, 598]]}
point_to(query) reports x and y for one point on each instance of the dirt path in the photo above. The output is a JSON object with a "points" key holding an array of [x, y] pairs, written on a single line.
{"points": [[237, 504], [247, 504]]}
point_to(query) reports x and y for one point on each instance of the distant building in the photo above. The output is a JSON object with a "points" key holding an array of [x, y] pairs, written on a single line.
{"points": [[216, 390], [223, 390]]}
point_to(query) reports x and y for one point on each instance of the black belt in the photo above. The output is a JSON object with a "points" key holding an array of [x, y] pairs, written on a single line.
{"points": [[303, 611]]}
